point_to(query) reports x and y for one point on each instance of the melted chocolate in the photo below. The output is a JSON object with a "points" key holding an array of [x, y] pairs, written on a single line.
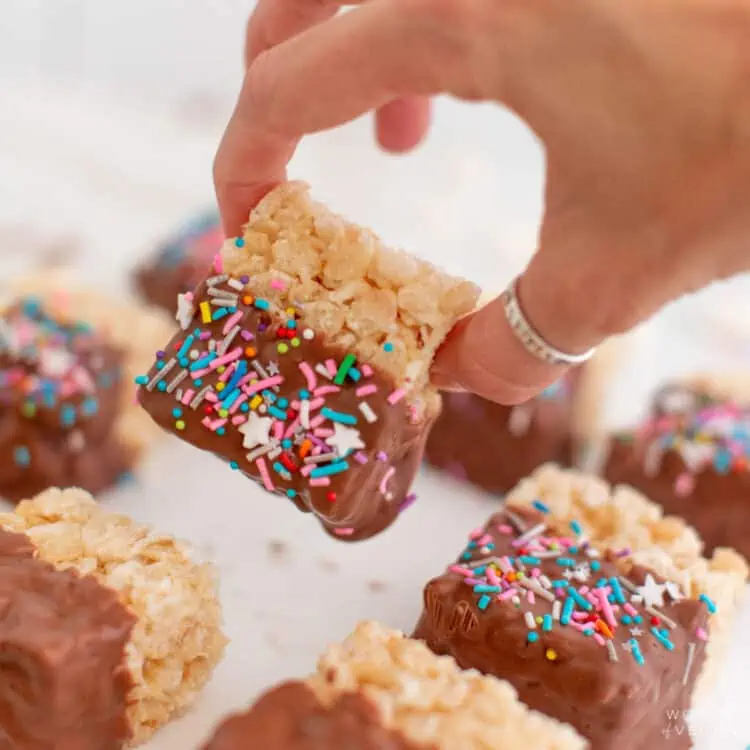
{"points": [[290, 717], [60, 394], [359, 501], [63, 677], [495, 446], [559, 670]]}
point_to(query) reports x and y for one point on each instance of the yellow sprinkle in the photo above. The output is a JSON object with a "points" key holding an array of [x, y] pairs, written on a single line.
{"points": [[551, 654], [256, 402], [295, 342], [282, 348], [205, 312], [220, 369], [220, 386], [223, 413], [290, 311], [539, 620], [179, 424]]}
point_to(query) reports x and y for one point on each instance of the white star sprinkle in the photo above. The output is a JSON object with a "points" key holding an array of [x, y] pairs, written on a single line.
{"points": [[627, 646], [582, 572], [256, 431], [674, 591], [636, 632], [652, 592], [273, 368], [185, 310], [568, 574], [344, 439]]}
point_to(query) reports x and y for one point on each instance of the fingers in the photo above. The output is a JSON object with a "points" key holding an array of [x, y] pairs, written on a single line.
{"points": [[335, 71], [402, 124]]}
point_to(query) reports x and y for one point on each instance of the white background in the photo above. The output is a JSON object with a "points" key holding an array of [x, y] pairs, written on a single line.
{"points": [[109, 116]]}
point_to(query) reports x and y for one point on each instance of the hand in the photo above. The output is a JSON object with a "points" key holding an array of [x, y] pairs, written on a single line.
{"points": [[643, 107]]}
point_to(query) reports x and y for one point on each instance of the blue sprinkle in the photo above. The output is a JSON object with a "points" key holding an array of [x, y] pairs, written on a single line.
{"points": [[626, 619], [67, 416], [637, 619], [480, 570], [485, 589], [198, 382], [595, 565], [183, 361], [579, 600], [664, 641], [588, 632], [221, 431], [354, 374], [286, 444], [527, 560], [291, 324], [282, 403], [722, 461], [303, 394], [162, 386], [532, 637], [229, 397], [89, 407], [388, 346], [337, 416], [567, 611], [466, 556], [176, 412], [617, 590], [269, 396], [547, 623], [222, 312], [484, 602], [22, 456], [471, 545], [245, 407], [561, 584], [185, 348], [338, 467], [566, 562], [291, 493], [197, 332], [160, 364], [540, 506], [199, 364], [234, 465], [141, 380], [239, 373], [573, 550], [277, 413], [261, 304], [709, 603], [576, 527], [239, 242]]}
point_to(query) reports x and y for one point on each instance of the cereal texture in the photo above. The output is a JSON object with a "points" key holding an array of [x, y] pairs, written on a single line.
{"points": [[620, 517], [347, 284], [177, 640], [429, 699], [136, 330]]}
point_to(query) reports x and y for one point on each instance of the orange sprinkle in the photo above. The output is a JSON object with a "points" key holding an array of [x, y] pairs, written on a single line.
{"points": [[250, 352], [603, 628], [247, 300], [304, 449]]}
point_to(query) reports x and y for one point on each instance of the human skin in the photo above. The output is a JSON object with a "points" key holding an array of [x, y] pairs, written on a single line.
{"points": [[642, 106]]}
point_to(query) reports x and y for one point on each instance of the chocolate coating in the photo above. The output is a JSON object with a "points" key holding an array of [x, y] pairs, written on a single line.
{"points": [[495, 446], [617, 705], [355, 503], [63, 677], [290, 717], [692, 458], [60, 394], [180, 264]]}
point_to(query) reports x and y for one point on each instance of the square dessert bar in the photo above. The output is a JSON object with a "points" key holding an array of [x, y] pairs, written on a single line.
{"points": [[381, 691], [107, 631], [67, 413], [599, 611], [692, 456], [180, 263], [303, 361]]}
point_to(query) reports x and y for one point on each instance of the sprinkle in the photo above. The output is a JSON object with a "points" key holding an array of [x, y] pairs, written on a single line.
{"points": [[527, 536], [567, 611], [307, 371], [636, 651], [261, 385], [366, 390], [551, 654], [616, 590], [367, 412], [337, 467], [556, 609], [709, 604], [396, 396], [344, 531], [383, 488], [662, 639], [21, 456], [656, 613], [264, 475], [532, 637], [320, 482], [337, 416], [199, 398], [579, 600], [612, 652], [540, 506], [161, 374], [261, 304], [177, 380], [344, 368], [547, 623], [701, 634], [530, 621], [205, 312], [576, 527], [484, 602], [688, 663]]}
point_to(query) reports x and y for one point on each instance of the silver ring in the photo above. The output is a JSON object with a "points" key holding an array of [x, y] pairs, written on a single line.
{"points": [[530, 338]]}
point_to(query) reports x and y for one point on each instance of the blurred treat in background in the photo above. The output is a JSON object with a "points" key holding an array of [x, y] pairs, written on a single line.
{"points": [[692, 455], [180, 262]]}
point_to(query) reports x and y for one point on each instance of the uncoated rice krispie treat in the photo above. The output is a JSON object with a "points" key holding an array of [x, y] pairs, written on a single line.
{"points": [[596, 608], [303, 361], [692, 456], [67, 411], [180, 263], [381, 691], [108, 629]]}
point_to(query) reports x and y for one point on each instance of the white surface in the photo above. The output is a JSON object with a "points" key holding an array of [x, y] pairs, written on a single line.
{"points": [[79, 168]]}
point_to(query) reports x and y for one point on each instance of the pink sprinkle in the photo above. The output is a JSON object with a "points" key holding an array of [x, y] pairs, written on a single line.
{"points": [[264, 475], [307, 469], [236, 405], [317, 421], [199, 373], [599, 639], [326, 389], [381, 456], [278, 430], [292, 427], [580, 616], [530, 596], [239, 419], [213, 424], [684, 484], [212, 397], [458, 569], [579, 626], [609, 615], [384, 481], [316, 403], [219, 263], [536, 573], [630, 609], [232, 321], [309, 374], [471, 581], [701, 634], [246, 335], [263, 384], [278, 284], [476, 533], [506, 595], [187, 397], [224, 377], [583, 590], [396, 396], [343, 532], [219, 361], [320, 482], [366, 370], [366, 390], [492, 577], [322, 432], [503, 528], [360, 458], [486, 539], [331, 367]]}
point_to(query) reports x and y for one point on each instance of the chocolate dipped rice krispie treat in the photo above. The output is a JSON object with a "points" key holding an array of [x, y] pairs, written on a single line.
{"points": [[67, 411], [303, 361], [108, 629], [180, 263], [692, 456], [381, 691], [600, 611]]}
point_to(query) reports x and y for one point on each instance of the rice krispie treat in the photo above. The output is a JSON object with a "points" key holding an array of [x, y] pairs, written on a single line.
{"points": [[693, 457], [68, 414], [180, 263], [303, 361], [108, 629], [596, 608], [381, 691]]}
